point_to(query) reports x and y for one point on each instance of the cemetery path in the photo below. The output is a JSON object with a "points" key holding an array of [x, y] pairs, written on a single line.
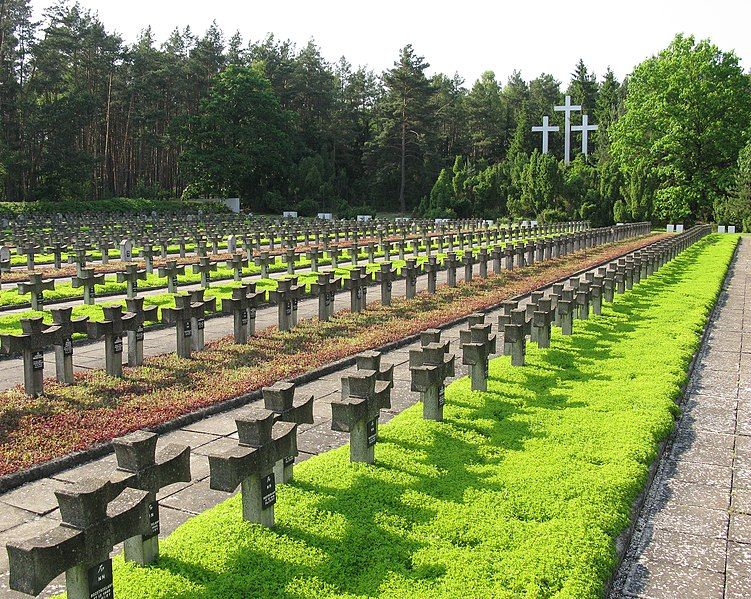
{"points": [[693, 537], [161, 341]]}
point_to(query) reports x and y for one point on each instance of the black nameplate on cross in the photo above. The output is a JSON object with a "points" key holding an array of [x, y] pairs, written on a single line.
{"points": [[371, 430], [268, 495], [100, 581]]}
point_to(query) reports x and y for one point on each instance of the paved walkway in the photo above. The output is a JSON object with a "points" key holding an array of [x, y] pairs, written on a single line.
{"points": [[693, 538]]}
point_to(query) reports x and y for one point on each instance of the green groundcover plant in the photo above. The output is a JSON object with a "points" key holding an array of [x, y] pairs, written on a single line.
{"points": [[521, 491]]}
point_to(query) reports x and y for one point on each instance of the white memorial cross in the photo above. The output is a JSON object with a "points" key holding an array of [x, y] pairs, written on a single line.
{"points": [[567, 109], [585, 128], [545, 129]]}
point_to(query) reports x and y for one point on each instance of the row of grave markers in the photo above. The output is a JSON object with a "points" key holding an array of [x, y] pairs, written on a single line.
{"points": [[188, 315], [98, 514]]}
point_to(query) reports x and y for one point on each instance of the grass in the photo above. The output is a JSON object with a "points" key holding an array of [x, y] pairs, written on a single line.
{"points": [[520, 492], [98, 408]]}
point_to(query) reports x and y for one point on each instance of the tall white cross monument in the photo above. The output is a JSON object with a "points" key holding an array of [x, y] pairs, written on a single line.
{"points": [[545, 129], [585, 128], [567, 109]]}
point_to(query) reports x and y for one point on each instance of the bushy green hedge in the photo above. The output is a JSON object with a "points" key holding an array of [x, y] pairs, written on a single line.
{"points": [[521, 491], [10, 209]]}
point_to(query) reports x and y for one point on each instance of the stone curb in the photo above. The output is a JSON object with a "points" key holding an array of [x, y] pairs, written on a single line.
{"points": [[56, 465], [623, 540]]}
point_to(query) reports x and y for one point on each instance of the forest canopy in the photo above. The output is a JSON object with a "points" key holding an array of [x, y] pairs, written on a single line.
{"points": [[87, 116]]}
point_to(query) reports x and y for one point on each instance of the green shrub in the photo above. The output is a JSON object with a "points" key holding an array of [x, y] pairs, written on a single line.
{"points": [[10, 209]]}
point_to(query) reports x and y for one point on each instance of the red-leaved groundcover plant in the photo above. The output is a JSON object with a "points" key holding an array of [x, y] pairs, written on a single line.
{"points": [[98, 408]]}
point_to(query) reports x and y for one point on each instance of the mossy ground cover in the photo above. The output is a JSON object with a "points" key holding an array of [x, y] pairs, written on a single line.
{"points": [[521, 491], [98, 408]]}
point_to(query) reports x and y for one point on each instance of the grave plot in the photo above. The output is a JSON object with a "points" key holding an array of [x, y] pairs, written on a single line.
{"points": [[166, 387], [519, 489]]}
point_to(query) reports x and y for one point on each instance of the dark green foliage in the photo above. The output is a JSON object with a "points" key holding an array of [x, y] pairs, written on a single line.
{"points": [[688, 112]]}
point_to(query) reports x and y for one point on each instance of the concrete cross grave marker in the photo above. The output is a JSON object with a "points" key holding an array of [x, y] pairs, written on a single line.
{"points": [[181, 316], [451, 263], [358, 289], [280, 399], [263, 260], [238, 306], [87, 279], [430, 366], [237, 262], [205, 267], [130, 275], [201, 306], [542, 320], [386, 276], [431, 270], [112, 328], [363, 396], [141, 315], [93, 520], [147, 252], [286, 297], [410, 270], [170, 270], [326, 287], [35, 336], [36, 287], [57, 249], [63, 341], [139, 467], [263, 441], [477, 343]]}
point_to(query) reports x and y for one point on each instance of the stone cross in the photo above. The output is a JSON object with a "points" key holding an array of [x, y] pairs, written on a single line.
{"points": [[170, 270], [430, 366], [313, 255], [57, 250], [477, 345], [93, 520], [545, 129], [30, 343], [450, 263], [200, 307], [358, 289], [431, 270], [237, 305], [205, 266], [542, 320], [264, 260], [410, 271], [130, 275], [63, 341], [263, 441], [585, 128], [468, 260], [364, 394], [385, 276], [141, 315], [237, 262], [326, 287], [147, 251], [138, 467], [280, 399], [87, 279], [112, 328], [36, 287], [181, 316], [567, 108], [286, 296]]}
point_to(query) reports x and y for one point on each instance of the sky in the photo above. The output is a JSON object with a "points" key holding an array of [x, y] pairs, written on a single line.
{"points": [[533, 36]]}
